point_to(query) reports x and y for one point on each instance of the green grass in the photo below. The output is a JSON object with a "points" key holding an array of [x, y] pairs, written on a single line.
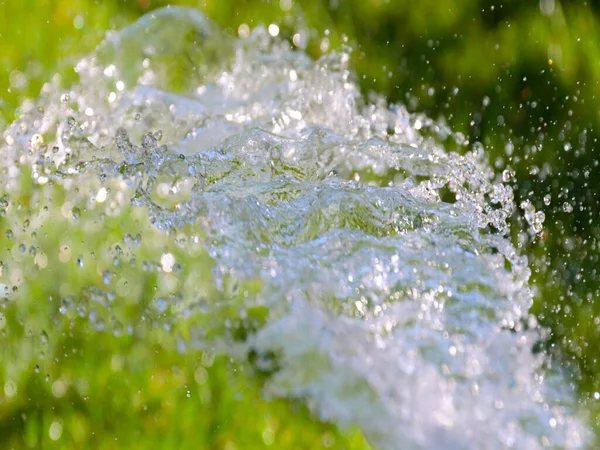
{"points": [[90, 361]]}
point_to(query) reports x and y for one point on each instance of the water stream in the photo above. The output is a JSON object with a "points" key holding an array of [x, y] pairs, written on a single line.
{"points": [[357, 263]]}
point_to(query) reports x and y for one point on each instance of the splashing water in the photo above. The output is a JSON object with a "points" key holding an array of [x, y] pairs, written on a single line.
{"points": [[353, 260]]}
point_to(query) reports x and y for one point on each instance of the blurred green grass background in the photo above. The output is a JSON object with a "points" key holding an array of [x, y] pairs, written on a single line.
{"points": [[519, 77]]}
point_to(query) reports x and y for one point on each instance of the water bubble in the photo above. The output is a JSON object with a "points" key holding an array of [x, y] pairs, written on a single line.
{"points": [[547, 7], [297, 40], [59, 388], [243, 31], [508, 175], [167, 261], [36, 142], [161, 305], [201, 375], [286, 5], [64, 254], [55, 431], [78, 22], [547, 199], [101, 195], [10, 388], [567, 207]]}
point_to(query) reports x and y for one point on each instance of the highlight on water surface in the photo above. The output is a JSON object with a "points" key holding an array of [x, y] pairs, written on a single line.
{"points": [[231, 222]]}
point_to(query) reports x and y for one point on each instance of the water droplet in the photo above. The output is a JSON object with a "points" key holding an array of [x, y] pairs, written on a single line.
{"points": [[167, 261], [4, 201], [273, 30], [132, 241], [63, 307], [124, 145], [55, 431], [102, 195], [508, 175], [547, 199], [36, 141], [149, 141], [10, 388], [44, 337]]}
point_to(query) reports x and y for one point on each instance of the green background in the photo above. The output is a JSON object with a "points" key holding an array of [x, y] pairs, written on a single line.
{"points": [[524, 73]]}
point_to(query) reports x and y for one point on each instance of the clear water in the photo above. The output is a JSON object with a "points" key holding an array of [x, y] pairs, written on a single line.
{"points": [[391, 295]]}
